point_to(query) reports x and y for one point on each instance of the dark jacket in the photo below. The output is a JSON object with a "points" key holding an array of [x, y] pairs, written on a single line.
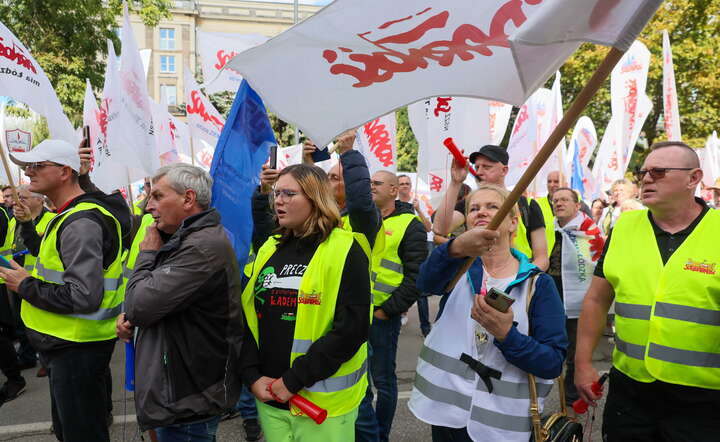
{"points": [[412, 252], [87, 243], [185, 299]]}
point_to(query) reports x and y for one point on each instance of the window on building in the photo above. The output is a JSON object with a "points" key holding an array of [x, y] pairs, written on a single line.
{"points": [[167, 38], [167, 63], [170, 93]]}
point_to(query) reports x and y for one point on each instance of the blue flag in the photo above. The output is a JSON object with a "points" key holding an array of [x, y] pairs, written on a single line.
{"points": [[239, 155], [578, 174]]}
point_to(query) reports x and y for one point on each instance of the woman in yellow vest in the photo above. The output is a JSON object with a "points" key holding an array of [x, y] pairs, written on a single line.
{"points": [[308, 312]]}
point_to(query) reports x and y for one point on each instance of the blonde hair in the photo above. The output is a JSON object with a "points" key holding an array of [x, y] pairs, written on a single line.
{"points": [[503, 194], [325, 215], [501, 191]]}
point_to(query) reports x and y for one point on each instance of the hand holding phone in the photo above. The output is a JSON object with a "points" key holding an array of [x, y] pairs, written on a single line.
{"points": [[498, 300]]}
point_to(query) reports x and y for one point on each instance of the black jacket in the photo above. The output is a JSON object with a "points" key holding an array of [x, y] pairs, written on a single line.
{"points": [[412, 252]]}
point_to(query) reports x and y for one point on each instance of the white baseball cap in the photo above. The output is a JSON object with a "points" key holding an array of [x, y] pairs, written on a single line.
{"points": [[56, 151]]}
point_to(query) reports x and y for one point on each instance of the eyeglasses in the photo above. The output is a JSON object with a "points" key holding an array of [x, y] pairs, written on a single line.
{"points": [[39, 165], [377, 183], [563, 200], [283, 195], [656, 173]]}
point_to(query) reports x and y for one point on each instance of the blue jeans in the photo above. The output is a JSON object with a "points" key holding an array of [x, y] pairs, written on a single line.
{"points": [[200, 431], [246, 405], [424, 314], [384, 336]]}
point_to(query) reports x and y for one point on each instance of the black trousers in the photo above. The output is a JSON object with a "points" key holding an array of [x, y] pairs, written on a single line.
{"points": [[8, 357], [78, 391], [659, 412], [571, 393], [447, 434]]}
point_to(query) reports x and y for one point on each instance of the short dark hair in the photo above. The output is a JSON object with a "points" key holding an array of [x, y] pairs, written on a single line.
{"points": [[693, 160], [403, 176], [576, 198]]}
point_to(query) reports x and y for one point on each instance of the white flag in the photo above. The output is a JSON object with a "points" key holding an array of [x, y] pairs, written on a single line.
{"points": [[556, 162], [106, 175], [627, 87], [288, 156], [167, 146], [376, 140], [216, 49], [709, 160], [608, 165], [204, 120], [130, 126], [499, 119], [527, 134], [584, 140], [356, 60], [22, 79], [463, 119], [670, 98]]}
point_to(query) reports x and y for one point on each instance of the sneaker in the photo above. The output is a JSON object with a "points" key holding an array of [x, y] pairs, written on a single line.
{"points": [[11, 390], [42, 372], [403, 319], [252, 428]]}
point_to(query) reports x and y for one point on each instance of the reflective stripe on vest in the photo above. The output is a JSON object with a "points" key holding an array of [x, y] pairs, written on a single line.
{"points": [[667, 319], [387, 268], [343, 391], [40, 227], [76, 327]]}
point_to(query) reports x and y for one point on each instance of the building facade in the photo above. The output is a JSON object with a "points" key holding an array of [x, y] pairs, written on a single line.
{"points": [[173, 42]]}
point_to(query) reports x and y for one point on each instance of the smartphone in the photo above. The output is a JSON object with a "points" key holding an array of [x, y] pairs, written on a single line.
{"points": [[5, 263], [273, 157], [86, 136], [499, 300], [320, 154]]}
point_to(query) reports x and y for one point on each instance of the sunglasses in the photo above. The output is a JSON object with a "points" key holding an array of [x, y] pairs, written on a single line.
{"points": [[657, 173], [39, 165]]}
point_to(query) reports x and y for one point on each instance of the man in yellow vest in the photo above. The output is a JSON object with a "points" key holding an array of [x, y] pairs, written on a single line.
{"points": [[393, 293], [662, 268], [70, 299]]}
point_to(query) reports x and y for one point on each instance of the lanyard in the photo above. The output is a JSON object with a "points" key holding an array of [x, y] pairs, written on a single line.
{"points": [[483, 288]]}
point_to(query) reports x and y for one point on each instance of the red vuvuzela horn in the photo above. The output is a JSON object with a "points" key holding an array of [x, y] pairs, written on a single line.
{"points": [[459, 158], [309, 409]]}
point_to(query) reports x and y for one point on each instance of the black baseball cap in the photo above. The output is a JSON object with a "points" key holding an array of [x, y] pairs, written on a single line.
{"points": [[491, 152]]}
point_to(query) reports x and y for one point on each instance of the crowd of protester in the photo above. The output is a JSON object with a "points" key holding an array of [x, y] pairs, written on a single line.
{"points": [[337, 260]]}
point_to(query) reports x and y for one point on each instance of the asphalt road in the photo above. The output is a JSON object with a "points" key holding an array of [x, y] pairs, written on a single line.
{"points": [[28, 417]]}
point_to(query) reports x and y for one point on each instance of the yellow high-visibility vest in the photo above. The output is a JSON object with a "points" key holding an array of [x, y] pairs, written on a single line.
{"points": [[342, 392], [667, 316]]}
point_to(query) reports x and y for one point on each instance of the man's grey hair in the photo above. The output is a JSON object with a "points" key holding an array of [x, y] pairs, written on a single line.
{"points": [[26, 187], [182, 177]]}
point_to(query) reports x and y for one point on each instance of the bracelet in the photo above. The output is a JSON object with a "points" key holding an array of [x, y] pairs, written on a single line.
{"points": [[272, 393]]}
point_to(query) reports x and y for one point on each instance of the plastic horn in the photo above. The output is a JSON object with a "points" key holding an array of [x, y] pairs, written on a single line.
{"points": [[309, 409], [459, 158]]}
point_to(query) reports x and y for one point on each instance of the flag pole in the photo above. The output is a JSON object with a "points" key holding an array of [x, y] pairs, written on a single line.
{"points": [[192, 151], [3, 149], [565, 124]]}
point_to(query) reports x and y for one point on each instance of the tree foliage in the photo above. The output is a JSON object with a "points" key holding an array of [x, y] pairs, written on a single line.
{"points": [[68, 39]]}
